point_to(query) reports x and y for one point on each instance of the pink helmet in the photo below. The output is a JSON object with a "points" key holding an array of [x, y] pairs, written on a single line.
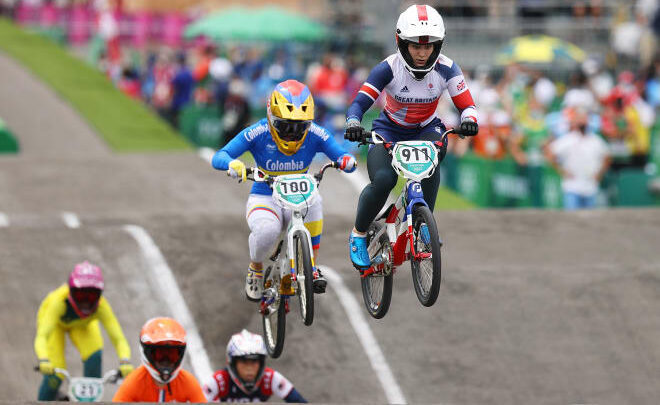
{"points": [[85, 288], [86, 275]]}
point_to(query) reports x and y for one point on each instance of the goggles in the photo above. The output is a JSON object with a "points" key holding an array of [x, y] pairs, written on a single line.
{"points": [[85, 294], [289, 130], [161, 354]]}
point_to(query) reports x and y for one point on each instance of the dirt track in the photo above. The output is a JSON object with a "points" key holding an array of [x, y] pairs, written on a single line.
{"points": [[535, 307]]}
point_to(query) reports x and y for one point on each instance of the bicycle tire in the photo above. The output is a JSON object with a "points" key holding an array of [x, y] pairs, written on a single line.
{"points": [[426, 280], [305, 277], [377, 288], [274, 329]]}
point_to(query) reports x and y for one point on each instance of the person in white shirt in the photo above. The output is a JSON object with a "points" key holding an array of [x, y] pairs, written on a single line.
{"points": [[581, 158]]}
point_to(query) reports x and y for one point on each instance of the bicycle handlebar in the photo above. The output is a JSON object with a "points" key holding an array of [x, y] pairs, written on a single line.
{"points": [[378, 139], [258, 175], [111, 376]]}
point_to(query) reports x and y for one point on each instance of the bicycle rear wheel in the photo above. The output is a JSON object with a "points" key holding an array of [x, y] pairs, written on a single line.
{"points": [[426, 270], [377, 286], [305, 277], [274, 325]]}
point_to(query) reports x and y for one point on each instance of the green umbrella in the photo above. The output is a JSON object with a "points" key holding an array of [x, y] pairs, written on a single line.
{"points": [[540, 49], [266, 24]]}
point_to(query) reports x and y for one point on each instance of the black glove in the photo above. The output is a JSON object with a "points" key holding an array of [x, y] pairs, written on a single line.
{"points": [[354, 131], [469, 128]]}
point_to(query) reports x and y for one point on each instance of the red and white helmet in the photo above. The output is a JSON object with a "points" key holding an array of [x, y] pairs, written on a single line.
{"points": [[420, 24], [248, 346]]}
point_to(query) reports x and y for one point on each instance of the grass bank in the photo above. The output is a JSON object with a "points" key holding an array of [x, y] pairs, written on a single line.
{"points": [[127, 125]]}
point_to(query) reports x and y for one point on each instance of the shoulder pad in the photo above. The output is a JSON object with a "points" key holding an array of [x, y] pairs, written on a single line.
{"points": [[253, 131], [267, 381], [222, 379], [319, 131]]}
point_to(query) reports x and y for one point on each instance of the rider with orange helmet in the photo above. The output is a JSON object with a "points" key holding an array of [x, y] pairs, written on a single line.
{"points": [[160, 378], [283, 143], [75, 309]]}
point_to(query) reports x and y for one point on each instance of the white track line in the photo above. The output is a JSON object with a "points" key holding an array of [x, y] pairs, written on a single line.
{"points": [[71, 220], [4, 220], [172, 295], [369, 343], [206, 154]]}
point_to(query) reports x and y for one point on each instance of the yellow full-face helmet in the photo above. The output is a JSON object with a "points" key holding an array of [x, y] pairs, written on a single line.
{"points": [[290, 113]]}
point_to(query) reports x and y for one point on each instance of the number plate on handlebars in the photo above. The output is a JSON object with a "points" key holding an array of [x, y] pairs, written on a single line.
{"points": [[295, 190], [86, 389], [415, 159]]}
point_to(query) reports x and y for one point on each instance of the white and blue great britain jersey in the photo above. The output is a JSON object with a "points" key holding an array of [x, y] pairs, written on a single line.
{"points": [[257, 140], [411, 103]]}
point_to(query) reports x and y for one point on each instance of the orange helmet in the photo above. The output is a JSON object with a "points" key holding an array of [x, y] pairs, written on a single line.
{"points": [[162, 346]]}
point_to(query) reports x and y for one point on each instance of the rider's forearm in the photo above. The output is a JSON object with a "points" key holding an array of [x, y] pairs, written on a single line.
{"points": [[221, 160], [113, 328], [295, 397], [358, 107]]}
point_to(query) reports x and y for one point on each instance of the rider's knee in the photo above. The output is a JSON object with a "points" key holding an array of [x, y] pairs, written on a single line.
{"points": [[385, 180], [266, 229]]}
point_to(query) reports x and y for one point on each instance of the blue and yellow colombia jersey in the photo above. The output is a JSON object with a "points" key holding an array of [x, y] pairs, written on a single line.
{"points": [[257, 140]]}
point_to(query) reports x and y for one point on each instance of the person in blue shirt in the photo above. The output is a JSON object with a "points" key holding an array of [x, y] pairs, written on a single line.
{"points": [[283, 143], [182, 88]]}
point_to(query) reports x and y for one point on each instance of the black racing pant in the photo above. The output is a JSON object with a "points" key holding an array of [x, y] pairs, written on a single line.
{"points": [[383, 179]]}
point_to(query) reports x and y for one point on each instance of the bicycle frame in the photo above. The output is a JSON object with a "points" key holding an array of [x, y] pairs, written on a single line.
{"points": [[277, 262]]}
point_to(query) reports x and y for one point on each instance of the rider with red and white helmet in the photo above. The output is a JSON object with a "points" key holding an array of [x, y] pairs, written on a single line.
{"points": [[246, 377], [75, 309], [412, 82]]}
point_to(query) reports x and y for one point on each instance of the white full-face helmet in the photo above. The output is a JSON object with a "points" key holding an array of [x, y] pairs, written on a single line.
{"points": [[248, 346], [420, 24]]}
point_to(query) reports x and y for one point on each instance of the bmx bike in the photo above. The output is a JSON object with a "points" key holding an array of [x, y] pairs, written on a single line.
{"points": [[406, 230], [289, 270]]}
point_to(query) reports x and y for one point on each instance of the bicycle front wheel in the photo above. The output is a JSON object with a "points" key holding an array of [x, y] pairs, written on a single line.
{"points": [[274, 324], [377, 286], [305, 277], [427, 264]]}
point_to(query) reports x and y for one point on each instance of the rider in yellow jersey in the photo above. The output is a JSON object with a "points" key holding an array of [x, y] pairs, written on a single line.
{"points": [[76, 309]]}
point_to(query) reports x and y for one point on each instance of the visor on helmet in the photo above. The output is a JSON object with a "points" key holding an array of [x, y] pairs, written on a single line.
{"points": [[164, 358], [290, 130], [88, 295]]}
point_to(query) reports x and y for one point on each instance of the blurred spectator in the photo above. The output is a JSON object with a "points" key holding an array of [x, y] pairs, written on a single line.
{"points": [[599, 80], [236, 110], [203, 93], [623, 128], [329, 81], [652, 84], [494, 135], [148, 78], [581, 158], [163, 73], [531, 134], [648, 18], [578, 94], [221, 71], [182, 88], [129, 82]]}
